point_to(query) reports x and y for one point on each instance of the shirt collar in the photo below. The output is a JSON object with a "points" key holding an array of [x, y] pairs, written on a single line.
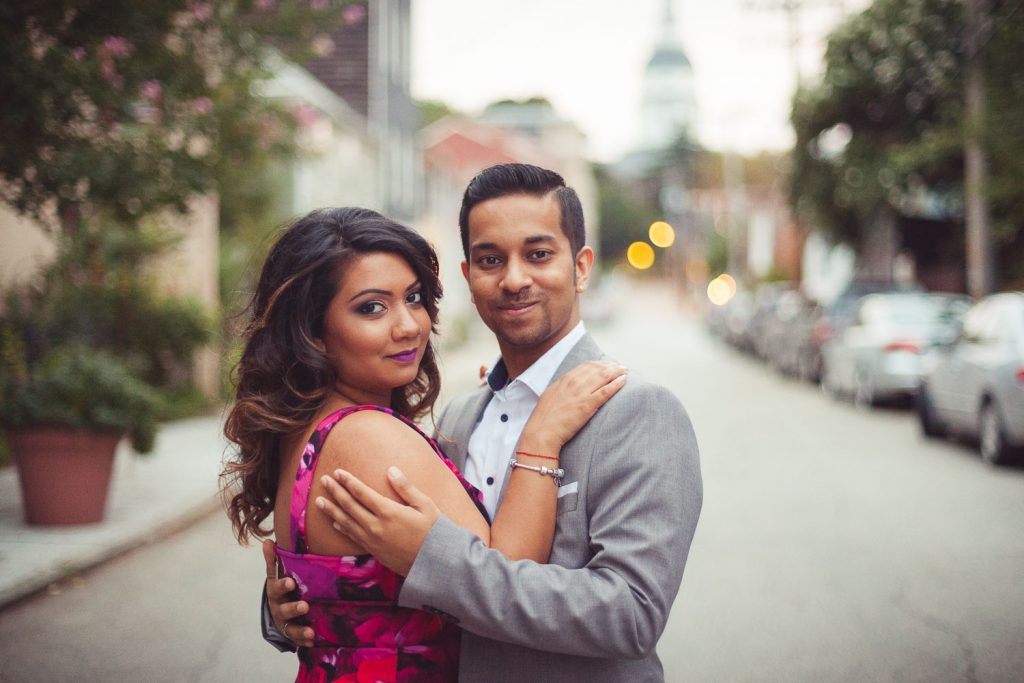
{"points": [[538, 376]]}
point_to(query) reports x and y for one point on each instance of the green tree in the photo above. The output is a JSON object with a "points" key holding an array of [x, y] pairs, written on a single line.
{"points": [[114, 113], [131, 108], [884, 130], [625, 217]]}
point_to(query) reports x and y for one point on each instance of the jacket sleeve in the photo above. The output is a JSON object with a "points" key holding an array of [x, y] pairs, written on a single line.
{"points": [[270, 632], [644, 498]]}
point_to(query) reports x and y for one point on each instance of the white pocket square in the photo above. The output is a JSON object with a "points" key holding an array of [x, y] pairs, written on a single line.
{"points": [[566, 489]]}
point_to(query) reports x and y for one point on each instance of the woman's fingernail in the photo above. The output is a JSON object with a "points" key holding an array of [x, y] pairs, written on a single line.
{"points": [[394, 472], [337, 527], [320, 502], [325, 480]]}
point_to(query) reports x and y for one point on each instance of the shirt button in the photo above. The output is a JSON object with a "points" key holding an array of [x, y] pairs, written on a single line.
{"points": [[504, 417], [490, 481]]}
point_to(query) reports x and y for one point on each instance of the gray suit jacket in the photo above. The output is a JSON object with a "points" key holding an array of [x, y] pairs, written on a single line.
{"points": [[595, 613]]}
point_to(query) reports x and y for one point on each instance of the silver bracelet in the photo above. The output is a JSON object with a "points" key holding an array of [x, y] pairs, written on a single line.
{"points": [[555, 473]]}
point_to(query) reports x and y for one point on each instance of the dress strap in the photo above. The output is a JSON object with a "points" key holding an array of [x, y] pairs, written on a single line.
{"points": [[307, 467]]}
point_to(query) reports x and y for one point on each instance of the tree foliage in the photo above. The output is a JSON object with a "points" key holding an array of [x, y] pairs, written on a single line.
{"points": [[115, 112], [884, 130], [130, 107], [625, 216]]}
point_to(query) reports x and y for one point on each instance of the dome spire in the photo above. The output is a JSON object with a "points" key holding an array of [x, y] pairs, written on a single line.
{"points": [[668, 26]]}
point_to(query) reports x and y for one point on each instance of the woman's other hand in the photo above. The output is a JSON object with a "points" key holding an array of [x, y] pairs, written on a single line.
{"points": [[287, 612]]}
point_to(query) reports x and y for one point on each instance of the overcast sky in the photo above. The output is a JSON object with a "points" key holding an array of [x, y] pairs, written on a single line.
{"points": [[588, 58]]}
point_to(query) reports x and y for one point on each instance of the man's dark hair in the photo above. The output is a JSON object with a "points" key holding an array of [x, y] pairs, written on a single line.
{"points": [[507, 179]]}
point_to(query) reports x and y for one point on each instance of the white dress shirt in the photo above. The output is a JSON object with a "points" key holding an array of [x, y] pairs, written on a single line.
{"points": [[494, 439]]}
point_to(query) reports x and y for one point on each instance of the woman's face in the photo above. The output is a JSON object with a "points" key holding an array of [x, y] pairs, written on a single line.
{"points": [[376, 328]]}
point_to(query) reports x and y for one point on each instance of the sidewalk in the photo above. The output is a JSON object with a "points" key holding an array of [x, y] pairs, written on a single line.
{"points": [[156, 494], [150, 496]]}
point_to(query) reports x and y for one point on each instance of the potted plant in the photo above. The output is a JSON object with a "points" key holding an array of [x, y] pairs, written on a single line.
{"points": [[64, 416], [90, 352]]}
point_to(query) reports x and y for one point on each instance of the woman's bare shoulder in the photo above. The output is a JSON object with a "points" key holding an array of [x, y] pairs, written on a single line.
{"points": [[363, 437]]}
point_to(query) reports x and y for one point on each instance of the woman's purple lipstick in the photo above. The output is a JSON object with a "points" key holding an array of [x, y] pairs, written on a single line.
{"points": [[405, 356]]}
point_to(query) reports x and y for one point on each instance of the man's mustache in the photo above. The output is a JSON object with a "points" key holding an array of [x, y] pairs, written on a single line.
{"points": [[519, 298]]}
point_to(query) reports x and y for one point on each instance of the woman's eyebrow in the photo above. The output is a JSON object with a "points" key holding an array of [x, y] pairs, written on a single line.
{"points": [[384, 292], [370, 291]]}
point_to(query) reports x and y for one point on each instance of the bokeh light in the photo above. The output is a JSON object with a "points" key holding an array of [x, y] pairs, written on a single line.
{"points": [[728, 279], [661, 234], [640, 255], [721, 289]]}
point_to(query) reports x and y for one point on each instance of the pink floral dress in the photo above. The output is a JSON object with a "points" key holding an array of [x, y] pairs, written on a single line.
{"points": [[361, 634]]}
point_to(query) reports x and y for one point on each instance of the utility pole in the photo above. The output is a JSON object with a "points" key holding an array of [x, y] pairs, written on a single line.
{"points": [[980, 279], [793, 10]]}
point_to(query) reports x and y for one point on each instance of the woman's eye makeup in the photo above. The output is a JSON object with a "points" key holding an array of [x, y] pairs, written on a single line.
{"points": [[371, 307], [414, 297]]}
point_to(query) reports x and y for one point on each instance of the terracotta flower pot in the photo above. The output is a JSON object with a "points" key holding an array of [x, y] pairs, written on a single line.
{"points": [[64, 473]]}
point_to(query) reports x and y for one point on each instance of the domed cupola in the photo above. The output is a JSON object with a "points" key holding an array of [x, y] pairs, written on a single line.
{"points": [[668, 109]]}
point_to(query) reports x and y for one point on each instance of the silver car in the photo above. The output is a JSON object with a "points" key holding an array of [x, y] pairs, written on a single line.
{"points": [[975, 387], [878, 355]]}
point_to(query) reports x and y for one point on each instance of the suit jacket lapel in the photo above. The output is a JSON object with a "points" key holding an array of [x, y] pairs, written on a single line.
{"points": [[585, 349], [462, 429]]}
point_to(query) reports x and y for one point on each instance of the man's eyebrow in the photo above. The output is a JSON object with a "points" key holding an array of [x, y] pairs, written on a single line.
{"points": [[532, 239]]}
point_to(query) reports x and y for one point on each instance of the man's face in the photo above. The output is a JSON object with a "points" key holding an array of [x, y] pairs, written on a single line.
{"points": [[522, 273]]}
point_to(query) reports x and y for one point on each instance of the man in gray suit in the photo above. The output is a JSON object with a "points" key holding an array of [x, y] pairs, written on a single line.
{"points": [[628, 502]]}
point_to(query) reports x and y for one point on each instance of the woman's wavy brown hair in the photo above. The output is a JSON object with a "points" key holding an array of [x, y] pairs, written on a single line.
{"points": [[283, 379]]}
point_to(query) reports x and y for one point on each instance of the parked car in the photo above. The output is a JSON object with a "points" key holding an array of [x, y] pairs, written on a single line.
{"points": [[824, 322], [975, 386], [737, 320], [878, 355], [787, 331], [766, 301]]}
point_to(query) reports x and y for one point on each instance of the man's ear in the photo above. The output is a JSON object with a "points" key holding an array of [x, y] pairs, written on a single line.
{"points": [[465, 274], [584, 264]]}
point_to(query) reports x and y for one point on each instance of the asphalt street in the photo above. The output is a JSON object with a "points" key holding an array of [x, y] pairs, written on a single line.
{"points": [[835, 545]]}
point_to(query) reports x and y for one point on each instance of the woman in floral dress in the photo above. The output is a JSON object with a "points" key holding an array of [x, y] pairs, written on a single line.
{"points": [[338, 362]]}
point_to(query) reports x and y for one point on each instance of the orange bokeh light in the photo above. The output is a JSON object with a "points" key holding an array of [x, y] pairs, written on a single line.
{"points": [[640, 255]]}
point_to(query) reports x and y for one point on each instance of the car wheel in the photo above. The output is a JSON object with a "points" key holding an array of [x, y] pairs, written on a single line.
{"points": [[991, 437], [863, 392], [931, 425]]}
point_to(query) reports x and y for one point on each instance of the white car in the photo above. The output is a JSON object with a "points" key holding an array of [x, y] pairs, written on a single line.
{"points": [[878, 355], [975, 387]]}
